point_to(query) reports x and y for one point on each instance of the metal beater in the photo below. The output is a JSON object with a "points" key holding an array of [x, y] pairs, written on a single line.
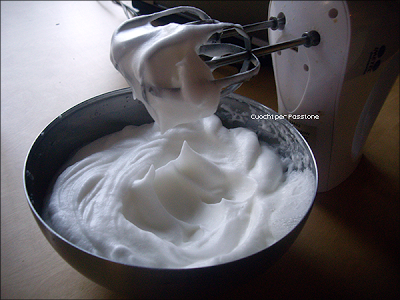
{"points": [[217, 54]]}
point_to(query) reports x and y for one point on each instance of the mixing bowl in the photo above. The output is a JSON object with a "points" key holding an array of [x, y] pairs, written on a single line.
{"points": [[111, 112]]}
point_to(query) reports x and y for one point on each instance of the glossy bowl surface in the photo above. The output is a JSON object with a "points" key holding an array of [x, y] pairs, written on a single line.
{"points": [[111, 112]]}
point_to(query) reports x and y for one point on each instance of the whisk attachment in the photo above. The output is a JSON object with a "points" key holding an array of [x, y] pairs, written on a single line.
{"points": [[164, 64], [170, 67], [249, 68], [217, 54], [308, 39], [211, 50], [215, 49]]}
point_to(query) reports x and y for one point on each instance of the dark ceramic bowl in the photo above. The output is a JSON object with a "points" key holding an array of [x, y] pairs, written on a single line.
{"points": [[111, 112]]}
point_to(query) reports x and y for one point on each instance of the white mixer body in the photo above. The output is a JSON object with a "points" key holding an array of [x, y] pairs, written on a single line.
{"points": [[333, 92]]}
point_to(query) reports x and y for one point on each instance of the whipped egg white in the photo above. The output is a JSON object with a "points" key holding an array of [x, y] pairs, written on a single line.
{"points": [[198, 195], [162, 65]]}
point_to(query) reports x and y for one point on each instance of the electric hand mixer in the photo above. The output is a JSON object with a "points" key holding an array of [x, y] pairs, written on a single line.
{"points": [[333, 88]]}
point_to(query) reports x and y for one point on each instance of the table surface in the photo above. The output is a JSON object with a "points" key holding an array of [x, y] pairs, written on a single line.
{"points": [[55, 54]]}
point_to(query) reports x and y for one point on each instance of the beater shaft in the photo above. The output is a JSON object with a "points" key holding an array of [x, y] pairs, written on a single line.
{"points": [[273, 23], [308, 39]]}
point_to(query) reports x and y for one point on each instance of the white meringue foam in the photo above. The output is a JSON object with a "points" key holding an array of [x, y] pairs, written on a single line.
{"points": [[197, 195], [162, 65]]}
